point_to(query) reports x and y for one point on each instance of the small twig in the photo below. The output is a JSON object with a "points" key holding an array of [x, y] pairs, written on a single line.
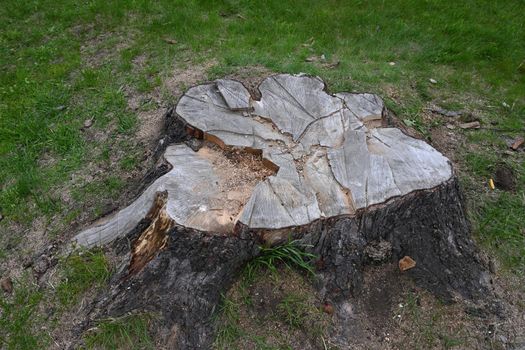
{"points": [[502, 129]]}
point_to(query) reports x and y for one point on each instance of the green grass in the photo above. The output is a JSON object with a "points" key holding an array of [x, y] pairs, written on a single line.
{"points": [[229, 331], [18, 314], [291, 254], [498, 216], [293, 310], [64, 62], [130, 332], [81, 271], [429, 328], [499, 223]]}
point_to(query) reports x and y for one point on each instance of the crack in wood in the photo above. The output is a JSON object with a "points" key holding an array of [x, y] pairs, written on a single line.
{"points": [[290, 95], [356, 173]]}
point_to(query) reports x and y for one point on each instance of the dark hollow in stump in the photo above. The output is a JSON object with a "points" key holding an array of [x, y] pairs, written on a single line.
{"points": [[325, 170]]}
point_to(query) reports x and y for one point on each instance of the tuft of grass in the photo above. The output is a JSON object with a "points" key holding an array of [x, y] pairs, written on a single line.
{"points": [[229, 331], [17, 318], [291, 254], [81, 271], [293, 310], [129, 162], [130, 332]]}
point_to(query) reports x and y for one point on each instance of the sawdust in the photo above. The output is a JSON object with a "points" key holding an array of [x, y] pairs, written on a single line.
{"points": [[238, 172]]}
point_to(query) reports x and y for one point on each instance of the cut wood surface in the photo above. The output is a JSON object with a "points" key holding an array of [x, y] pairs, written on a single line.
{"points": [[331, 153]]}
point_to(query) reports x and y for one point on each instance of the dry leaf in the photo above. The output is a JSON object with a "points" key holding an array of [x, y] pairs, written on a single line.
{"points": [[471, 125], [329, 309], [312, 59], [518, 142], [170, 41]]}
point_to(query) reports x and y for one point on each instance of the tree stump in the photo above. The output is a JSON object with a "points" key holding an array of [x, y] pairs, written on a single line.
{"points": [[299, 163]]}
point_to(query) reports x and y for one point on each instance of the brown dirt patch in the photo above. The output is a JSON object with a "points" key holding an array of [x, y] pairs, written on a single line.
{"points": [[151, 123], [276, 311]]}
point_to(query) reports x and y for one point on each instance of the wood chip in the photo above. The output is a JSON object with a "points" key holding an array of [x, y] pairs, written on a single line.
{"points": [[312, 59], [170, 41], [406, 263], [518, 142], [332, 65], [88, 123], [470, 125], [445, 112]]}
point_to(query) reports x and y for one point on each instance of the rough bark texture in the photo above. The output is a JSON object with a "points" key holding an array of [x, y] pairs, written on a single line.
{"points": [[429, 226], [183, 285], [180, 272]]}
